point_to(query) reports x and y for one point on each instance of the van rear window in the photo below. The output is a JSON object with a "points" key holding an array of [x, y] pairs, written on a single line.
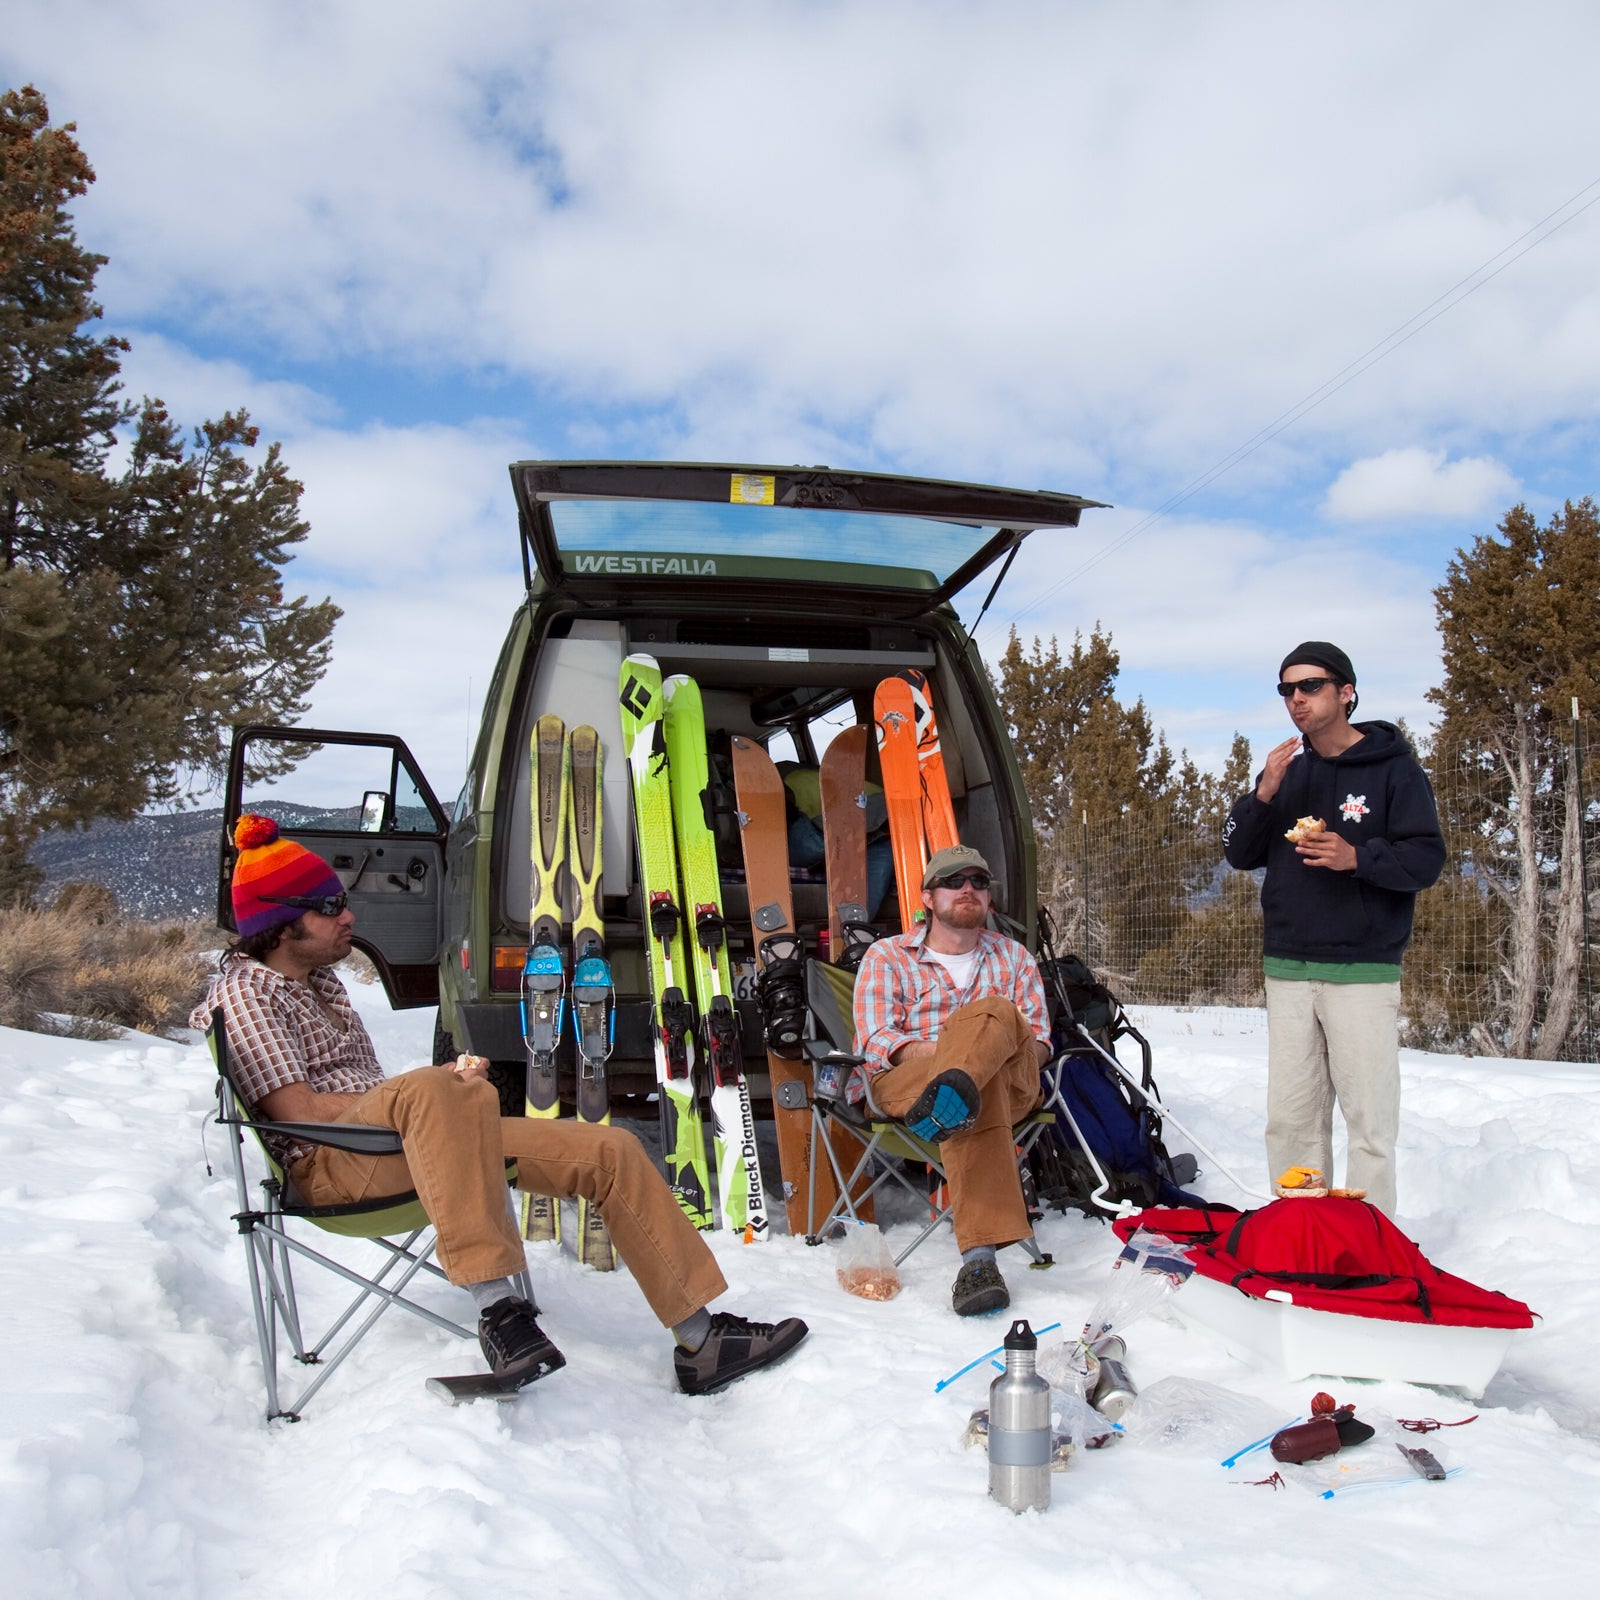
{"points": [[675, 538]]}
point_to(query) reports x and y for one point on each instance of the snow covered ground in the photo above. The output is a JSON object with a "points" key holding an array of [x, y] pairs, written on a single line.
{"points": [[134, 1461]]}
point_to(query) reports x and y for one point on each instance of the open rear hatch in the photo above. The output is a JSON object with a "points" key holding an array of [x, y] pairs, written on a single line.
{"points": [[834, 539]]}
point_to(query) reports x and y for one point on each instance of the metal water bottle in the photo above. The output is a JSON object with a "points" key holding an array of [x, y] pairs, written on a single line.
{"points": [[1019, 1427]]}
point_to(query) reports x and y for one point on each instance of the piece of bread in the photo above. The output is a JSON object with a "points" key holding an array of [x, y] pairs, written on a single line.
{"points": [[1348, 1194], [1304, 827]]}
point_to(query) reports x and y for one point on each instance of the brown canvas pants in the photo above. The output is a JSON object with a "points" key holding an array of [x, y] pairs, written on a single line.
{"points": [[457, 1144], [990, 1041]]}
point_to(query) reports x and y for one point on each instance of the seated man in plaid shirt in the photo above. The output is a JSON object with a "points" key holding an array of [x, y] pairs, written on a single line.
{"points": [[952, 1020], [301, 1054]]}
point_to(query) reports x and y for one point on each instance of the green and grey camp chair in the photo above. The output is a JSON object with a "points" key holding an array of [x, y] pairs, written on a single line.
{"points": [[886, 1145], [396, 1224]]}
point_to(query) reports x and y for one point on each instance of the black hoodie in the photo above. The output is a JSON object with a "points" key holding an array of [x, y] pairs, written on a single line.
{"points": [[1375, 795]]}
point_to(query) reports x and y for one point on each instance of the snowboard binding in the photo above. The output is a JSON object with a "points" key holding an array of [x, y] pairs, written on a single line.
{"points": [[781, 989], [854, 938]]}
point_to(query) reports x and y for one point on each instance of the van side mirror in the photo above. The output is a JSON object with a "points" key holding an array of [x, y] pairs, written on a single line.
{"points": [[374, 811]]}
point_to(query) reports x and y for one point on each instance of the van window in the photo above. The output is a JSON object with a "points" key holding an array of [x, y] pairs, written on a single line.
{"points": [[670, 537]]}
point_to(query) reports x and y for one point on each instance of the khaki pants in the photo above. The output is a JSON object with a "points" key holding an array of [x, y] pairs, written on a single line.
{"points": [[457, 1144], [1327, 1042], [991, 1042]]}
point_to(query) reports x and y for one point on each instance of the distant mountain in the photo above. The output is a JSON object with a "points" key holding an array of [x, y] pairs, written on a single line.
{"points": [[161, 869]]}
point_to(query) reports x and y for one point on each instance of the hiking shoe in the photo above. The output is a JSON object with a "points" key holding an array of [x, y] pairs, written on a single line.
{"points": [[513, 1343], [948, 1105], [979, 1288], [733, 1348]]}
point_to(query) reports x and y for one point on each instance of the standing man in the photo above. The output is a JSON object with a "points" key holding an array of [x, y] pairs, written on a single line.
{"points": [[1343, 819], [300, 1053], [952, 1021]]}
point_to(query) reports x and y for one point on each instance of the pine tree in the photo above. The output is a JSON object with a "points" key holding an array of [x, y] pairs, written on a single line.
{"points": [[59, 410], [1519, 624], [140, 613], [1129, 833]]}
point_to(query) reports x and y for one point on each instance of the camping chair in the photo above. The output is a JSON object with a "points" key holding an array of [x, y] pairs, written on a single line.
{"points": [[885, 1143], [396, 1223]]}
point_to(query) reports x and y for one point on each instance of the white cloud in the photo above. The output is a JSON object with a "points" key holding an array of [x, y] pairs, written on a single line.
{"points": [[1413, 482], [1202, 612], [994, 241]]}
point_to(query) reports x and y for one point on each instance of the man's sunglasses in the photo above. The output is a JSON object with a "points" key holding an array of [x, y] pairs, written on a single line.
{"points": [[326, 905], [965, 880], [1305, 686]]}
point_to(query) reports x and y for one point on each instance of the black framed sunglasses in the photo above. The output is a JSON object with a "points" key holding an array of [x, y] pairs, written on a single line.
{"points": [[1305, 686], [325, 905], [980, 881]]}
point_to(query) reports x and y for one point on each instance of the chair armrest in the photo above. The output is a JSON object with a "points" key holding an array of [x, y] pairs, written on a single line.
{"points": [[357, 1137], [823, 1054]]}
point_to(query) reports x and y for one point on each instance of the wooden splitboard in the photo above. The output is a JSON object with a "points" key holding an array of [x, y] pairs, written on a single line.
{"points": [[764, 835], [843, 780]]}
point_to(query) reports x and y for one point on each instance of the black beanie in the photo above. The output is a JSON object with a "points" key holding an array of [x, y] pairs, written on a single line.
{"points": [[1319, 653]]}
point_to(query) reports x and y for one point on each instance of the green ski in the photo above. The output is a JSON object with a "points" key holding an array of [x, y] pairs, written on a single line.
{"points": [[593, 999], [683, 1139], [543, 1000], [733, 1122]]}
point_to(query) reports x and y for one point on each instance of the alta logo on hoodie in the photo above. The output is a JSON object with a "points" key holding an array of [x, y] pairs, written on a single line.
{"points": [[1355, 807]]}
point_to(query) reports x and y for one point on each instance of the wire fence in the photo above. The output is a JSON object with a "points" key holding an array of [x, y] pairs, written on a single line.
{"points": [[1501, 960]]}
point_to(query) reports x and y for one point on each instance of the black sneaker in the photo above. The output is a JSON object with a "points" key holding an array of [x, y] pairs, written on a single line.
{"points": [[513, 1343], [947, 1106], [733, 1348], [979, 1288]]}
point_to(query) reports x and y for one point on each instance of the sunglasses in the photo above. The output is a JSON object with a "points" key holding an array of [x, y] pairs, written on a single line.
{"points": [[326, 905], [965, 880], [1305, 686]]}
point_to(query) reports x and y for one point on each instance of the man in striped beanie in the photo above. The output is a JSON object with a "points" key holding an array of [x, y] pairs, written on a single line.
{"points": [[300, 1053]]}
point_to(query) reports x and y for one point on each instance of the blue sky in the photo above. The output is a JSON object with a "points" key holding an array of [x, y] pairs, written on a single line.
{"points": [[1091, 247]]}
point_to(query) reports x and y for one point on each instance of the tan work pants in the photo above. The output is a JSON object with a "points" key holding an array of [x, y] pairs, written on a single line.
{"points": [[990, 1041], [457, 1144], [1327, 1042]]}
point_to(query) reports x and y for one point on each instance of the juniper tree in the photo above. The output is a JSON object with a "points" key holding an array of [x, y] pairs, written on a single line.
{"points": [[1109, 799], [140, 611], [1519, 626]]}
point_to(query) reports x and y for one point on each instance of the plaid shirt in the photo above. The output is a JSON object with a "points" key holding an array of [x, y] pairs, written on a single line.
{"points": [[903, 994], [282, 1032]]}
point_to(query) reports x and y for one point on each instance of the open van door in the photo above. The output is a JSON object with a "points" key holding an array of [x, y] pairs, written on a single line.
{"points": [[361, 803]]}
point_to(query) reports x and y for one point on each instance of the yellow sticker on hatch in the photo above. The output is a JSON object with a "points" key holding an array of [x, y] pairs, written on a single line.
{"points": [[753, 489]]}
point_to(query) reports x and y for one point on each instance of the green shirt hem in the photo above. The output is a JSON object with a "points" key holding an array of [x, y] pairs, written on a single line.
{"points": [[1331, 971]]}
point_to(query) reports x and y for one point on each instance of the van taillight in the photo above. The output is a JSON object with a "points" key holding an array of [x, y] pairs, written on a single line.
{"points": [[509, 960]]}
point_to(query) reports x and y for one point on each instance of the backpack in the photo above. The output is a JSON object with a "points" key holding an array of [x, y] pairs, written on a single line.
{"points": [[1116, 1122]]}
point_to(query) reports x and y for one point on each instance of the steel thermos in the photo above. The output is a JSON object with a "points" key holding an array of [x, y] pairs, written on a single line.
{"points": [[1019, 1427]]}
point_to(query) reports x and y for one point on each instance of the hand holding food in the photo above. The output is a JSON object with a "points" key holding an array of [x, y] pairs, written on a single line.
{"points": [[1303, 829]]}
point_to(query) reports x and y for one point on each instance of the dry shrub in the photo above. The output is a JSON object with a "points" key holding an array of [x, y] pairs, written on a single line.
{"points": [[101, 971], [37, 952]]}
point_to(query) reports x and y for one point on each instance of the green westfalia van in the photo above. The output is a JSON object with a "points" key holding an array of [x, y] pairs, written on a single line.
{"points": [[787, 593]]}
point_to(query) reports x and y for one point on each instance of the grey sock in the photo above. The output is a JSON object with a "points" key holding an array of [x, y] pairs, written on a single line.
{"points": [[979, 1252], [693, 1331], [490, 1291]]}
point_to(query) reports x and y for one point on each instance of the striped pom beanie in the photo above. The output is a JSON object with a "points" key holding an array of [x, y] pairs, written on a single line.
{"points": [[268, 865]]}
